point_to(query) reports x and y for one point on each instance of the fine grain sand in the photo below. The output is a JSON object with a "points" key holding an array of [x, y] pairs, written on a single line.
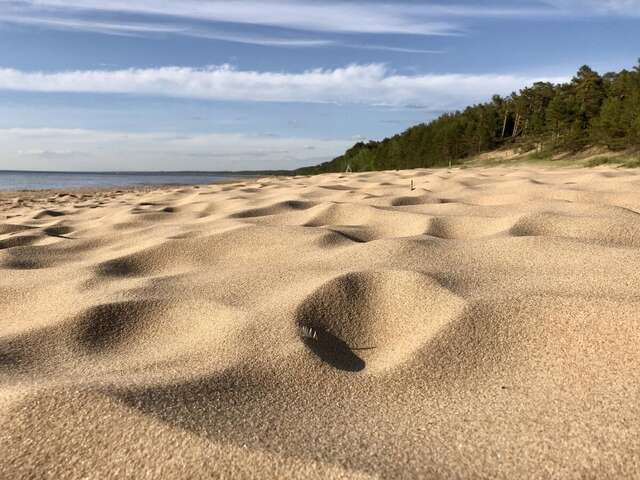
{"points": [[483, 325]]}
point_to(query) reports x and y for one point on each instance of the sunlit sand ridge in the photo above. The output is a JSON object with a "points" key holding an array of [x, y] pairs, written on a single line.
{"points": [[484, 324]]}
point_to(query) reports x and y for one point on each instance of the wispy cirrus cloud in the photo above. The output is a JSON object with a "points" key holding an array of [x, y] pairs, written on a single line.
{"points": [[372, 84], [365, 16], [198, 18], [331, 16], [146, 29], [211, 33], [109, 28], [269, 23]]}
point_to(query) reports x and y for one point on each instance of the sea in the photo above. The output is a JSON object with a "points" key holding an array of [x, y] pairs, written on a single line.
{"points": [[19, 180]]}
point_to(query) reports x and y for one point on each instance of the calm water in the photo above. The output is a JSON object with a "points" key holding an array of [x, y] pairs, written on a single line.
{"points": [[50, 180]]}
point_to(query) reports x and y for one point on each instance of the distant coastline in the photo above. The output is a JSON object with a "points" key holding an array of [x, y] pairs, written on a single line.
{"points": [[17, 180], [249, 173]]}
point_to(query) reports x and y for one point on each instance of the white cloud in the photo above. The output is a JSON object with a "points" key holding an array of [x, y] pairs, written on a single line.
{"points": [[73, 149], [355, 84]]}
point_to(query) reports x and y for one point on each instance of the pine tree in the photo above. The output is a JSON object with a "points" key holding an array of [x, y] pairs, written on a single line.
{"points": [[590, 110]]}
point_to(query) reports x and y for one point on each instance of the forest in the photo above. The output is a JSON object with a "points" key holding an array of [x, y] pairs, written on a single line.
{"points": [[590, 110]]}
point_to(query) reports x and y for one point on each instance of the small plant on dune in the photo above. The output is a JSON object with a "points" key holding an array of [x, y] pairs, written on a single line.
{"points": [[622, 162], [595, 162], [541, 154], [633, 163]]}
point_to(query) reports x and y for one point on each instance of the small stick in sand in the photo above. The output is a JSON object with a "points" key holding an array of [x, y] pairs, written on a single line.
{"points": [[413, 187]]}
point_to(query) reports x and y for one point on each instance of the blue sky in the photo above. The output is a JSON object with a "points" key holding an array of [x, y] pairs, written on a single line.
{"points": [[229, 85]]}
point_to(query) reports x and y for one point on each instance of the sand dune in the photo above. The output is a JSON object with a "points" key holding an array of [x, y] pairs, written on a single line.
{"points": [[485, 324]]}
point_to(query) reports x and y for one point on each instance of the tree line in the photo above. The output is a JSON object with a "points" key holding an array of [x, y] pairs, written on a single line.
{"points": [[590, 110]]}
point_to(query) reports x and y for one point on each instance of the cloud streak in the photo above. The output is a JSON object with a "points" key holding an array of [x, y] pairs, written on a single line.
{"points": [[154, 29], [109, 28], [151, 29], [355, 84], [295, 22], [188, 17], [81, 150], [343, 17]]}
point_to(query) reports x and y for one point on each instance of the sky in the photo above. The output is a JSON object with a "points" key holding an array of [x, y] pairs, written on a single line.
{"points": [[167, 85]]}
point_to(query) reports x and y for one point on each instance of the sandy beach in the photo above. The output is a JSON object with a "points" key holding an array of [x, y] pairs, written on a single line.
{"points": [[484, 324]]}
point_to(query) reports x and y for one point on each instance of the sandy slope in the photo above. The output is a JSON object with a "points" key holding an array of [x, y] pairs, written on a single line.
{"points": [[484, 325]]}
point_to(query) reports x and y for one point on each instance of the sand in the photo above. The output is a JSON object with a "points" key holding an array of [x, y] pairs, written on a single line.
{"points": [[484, 325]]}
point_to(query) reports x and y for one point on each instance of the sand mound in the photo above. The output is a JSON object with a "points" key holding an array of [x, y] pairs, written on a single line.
{"points": [[18, 241], [621, 231], [477, 323], [6, 228], [47, 214], [112, 325], [375, 319], [273, 209], [365, 223], [413, 200], [465, 228]]}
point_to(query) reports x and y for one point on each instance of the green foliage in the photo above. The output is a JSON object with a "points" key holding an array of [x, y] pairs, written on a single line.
{"points": [[592, 109], [542, 155], [596, 162], [624, 162], [634, 163]]}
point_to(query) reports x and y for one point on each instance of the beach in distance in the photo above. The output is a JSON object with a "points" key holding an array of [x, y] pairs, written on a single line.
{"points": [[21, 180], [434, 323]]}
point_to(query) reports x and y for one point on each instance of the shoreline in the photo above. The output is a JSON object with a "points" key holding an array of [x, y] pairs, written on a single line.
{"points": [[27, 182], [42, 194], [14, 201]]}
